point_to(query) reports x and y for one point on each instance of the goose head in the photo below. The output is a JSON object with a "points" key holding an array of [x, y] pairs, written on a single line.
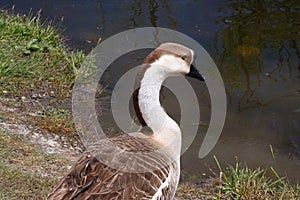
{"points": [[176, 60]]}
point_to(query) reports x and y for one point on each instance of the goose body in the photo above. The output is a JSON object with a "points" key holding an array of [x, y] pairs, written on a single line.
{"points": [[104, 173]]}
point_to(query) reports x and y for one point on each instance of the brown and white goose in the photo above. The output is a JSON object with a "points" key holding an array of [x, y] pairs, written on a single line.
{"points": [[103, 173]]}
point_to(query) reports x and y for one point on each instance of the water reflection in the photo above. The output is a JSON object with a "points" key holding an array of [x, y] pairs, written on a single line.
{"points": [[260, 43], [258, 55]]}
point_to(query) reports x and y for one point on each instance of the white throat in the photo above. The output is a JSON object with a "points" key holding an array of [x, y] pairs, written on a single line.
{"points": [[166, 131]]}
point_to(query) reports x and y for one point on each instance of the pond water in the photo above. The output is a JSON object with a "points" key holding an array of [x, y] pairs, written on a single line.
{"points": [[255, 45]]}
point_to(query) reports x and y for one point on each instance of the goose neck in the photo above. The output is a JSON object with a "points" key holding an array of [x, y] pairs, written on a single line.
{"points": [[153, 113]]}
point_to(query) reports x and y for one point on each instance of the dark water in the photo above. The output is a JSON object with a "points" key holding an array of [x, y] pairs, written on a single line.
{"points": [[255, 45]]}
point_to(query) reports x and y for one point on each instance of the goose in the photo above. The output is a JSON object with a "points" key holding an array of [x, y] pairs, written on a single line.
{"points": [[154, 152]]}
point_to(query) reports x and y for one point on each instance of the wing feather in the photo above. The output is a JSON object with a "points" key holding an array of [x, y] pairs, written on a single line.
{"points": [[91, 179]]}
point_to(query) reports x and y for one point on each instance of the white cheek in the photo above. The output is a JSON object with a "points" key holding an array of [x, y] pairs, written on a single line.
{"points": [[180, 67], [174, 64]]}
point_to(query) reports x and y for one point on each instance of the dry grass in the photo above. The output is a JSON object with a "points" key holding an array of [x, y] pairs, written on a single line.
{"points": [[57, 121], [26, 172]]}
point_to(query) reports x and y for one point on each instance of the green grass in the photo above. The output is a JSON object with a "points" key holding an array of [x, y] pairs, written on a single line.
{"points": [[35, 60], [33, 57], [241, 182]]}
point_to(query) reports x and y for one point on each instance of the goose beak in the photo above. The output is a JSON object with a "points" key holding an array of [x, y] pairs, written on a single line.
{"points": [[195, 73]]}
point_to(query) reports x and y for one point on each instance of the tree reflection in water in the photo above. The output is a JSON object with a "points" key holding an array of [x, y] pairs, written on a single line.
{"points": [[258, 55]]}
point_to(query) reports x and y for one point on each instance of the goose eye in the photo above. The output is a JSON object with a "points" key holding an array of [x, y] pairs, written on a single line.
{"points": [[184, 57]]}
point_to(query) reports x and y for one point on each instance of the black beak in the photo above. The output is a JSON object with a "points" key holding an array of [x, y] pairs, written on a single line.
{"points": [[195, 73]]}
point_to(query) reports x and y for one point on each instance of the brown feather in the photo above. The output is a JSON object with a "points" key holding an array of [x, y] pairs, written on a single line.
{"points": [[91, 179]]}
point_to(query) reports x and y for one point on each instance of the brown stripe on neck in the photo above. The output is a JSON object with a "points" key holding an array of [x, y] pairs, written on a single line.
{"points": [[151, 58], [135, 96], [137, 108]]}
